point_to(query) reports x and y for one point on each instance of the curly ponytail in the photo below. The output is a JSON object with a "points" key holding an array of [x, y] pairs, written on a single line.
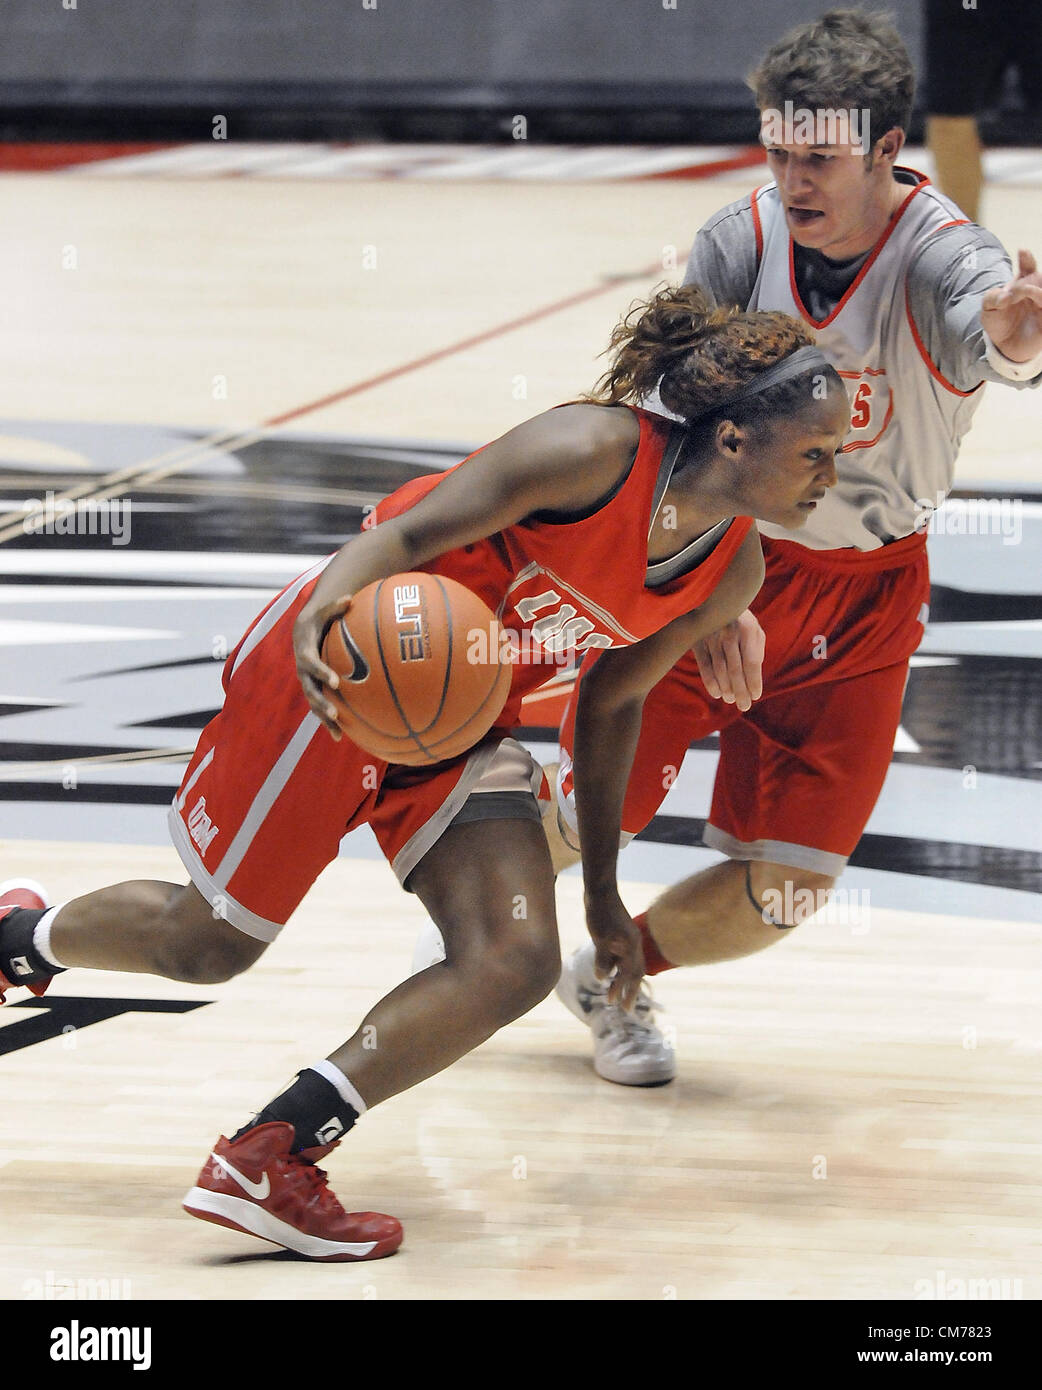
{"points": [[697, 355]]}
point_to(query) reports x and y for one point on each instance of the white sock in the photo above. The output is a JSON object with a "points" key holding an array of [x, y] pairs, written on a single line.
{"points": [[336, 1078], [42, 937]]}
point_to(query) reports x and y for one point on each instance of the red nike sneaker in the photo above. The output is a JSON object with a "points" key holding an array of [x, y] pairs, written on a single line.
{"points": [[256, 1185], [20, 892]]}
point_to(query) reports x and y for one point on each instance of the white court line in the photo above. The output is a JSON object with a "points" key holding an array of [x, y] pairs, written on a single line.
{"points": [[15, 632], [52, 594]]}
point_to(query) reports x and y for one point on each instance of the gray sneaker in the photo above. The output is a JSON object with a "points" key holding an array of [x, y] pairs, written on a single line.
{"points": [[627, 1047]]}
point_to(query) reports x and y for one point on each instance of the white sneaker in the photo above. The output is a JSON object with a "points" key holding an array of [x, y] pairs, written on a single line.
{"points": [[627, 1047]]}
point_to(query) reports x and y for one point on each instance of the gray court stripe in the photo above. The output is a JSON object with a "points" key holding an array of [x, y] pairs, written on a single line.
{"points": [[818, 861], [276, 611], [225, 908], [265, 799], [179, 802]]}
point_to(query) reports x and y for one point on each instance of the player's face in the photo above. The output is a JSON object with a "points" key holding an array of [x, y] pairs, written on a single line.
{"points": [[833, 202], [794, 464]]}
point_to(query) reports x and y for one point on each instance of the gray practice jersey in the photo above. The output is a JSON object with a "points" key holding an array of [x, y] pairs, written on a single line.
{"points": [[902, 326]]}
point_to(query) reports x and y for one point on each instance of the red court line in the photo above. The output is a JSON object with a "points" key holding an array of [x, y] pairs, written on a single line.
{"points": [[749, 160], [137, 474], [460, 346], [39, 156]]}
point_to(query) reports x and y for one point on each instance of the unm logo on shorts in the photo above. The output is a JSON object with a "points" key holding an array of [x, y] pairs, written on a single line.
{"points": [[201, 827], [411, 621]]}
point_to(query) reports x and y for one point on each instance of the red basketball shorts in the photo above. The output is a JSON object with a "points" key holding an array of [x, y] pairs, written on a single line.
{"points": [[801, 771], [268, 795]]}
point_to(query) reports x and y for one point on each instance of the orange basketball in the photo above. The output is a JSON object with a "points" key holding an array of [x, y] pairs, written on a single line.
{"points": [[421, 674]]}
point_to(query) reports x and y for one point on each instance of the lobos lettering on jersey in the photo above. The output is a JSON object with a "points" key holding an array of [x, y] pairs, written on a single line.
{"points": [[558, 617]]}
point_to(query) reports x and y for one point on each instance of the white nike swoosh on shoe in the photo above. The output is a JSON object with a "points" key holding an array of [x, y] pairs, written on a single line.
{"points": [[259, 1190]]}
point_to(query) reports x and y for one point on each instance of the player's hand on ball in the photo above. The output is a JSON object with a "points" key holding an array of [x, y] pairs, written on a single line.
{"points": [[620, 951], [730, 661], [315, 676], [1012, 316]]}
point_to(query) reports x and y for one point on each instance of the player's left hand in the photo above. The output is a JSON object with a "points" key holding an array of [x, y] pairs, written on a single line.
{"points": [[620, 950], [1012, 314], [730, 661]]}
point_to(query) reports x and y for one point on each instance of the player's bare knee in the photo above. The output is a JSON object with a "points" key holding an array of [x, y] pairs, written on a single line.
{"points": [[520, 968], [195, 944], [787, 896]]}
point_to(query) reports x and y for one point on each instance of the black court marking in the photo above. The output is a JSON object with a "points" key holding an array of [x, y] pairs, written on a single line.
{"points": [[191, 719], [949, 605], [178, 664], [69, 1013], [11, 707], [981, 712], [11, 752], [102, 793]]}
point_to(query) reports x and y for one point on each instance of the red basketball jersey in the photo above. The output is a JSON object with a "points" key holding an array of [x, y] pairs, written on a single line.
{"points": [[568, 587]]}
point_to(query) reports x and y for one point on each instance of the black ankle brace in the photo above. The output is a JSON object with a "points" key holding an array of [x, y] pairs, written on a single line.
{"points": [[20, 961]]}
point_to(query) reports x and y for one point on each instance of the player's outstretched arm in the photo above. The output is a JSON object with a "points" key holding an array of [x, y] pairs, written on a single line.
{"points": [[607, 727], [563, 460], [1012, 314]]}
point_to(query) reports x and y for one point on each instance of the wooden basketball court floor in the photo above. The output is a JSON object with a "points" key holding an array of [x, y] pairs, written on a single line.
{"points": [[856, 1112]]}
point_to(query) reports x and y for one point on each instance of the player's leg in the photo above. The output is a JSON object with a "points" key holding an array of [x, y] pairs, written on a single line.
{"points": [[430, 945], [488, 886], [483, 872], [954, 142], [800, 773], [732, 909], [143, 926], [788, 810], [964, 49]]}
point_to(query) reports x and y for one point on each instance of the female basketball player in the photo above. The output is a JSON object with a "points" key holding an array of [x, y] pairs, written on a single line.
{"points": [[599, 520]]}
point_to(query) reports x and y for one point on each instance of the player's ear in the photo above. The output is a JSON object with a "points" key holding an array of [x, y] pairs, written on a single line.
{"points": [[729, 437], [886, 149]]}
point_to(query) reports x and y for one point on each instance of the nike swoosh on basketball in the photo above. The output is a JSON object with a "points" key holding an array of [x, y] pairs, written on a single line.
{"points": [[259, 1190]]}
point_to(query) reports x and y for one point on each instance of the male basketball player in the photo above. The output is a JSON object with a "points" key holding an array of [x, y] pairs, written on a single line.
{"points": [[596, 525], [917, 309]]}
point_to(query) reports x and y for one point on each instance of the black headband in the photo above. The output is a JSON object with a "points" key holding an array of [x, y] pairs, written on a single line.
{"points": [[804, 359]]}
